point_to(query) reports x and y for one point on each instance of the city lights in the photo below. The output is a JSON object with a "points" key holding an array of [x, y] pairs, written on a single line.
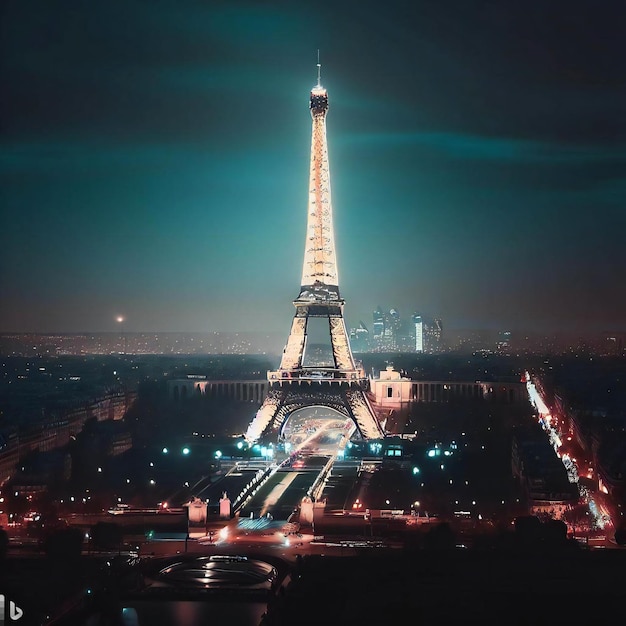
{"points": [[310, 451]]}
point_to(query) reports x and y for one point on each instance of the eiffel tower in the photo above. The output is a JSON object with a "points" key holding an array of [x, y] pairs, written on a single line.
{"points": [[303, 380]]}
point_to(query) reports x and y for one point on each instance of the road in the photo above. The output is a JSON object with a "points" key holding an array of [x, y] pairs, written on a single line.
{"points": [[313, 448], [281, 493], [599, 505]]}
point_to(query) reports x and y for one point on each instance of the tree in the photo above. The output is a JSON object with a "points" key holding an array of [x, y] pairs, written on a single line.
{"points": [[106, 536], [620, 536], [64, 545], [4, 543], [528, 529], [440, 537]]}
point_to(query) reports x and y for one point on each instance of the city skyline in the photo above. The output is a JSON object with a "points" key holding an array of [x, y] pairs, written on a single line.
{"points": [[154, 164]]}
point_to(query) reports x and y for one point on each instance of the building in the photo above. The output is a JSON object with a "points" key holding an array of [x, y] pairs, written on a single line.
{"points": [[418, 333], [392, 390], [378, 327], [418, 325], [359, 338], [543, 476]]}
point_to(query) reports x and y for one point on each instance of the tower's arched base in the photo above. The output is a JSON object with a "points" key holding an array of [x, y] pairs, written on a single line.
{"points": [[283, 399]]}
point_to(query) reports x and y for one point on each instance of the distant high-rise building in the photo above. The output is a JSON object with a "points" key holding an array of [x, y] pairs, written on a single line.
{"points": [[437, 331], [433, 331], [397, 338], [359, 338], [378, 328], [394, 320], [418, 324], [427, 333], [387, 330], [417, 333]]}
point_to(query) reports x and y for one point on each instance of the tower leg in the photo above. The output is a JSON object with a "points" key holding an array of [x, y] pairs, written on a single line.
{"points": [[282, 401]]}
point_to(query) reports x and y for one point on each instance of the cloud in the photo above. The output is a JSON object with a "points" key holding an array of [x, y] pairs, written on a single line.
{"points": [[482, 148], [58, 157]]}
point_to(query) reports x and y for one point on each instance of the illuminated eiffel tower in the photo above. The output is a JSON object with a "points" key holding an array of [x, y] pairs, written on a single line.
{"points": [[305, 378]]}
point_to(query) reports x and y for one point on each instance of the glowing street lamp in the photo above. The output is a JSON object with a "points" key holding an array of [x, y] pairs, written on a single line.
{"points": [[120, 319]]}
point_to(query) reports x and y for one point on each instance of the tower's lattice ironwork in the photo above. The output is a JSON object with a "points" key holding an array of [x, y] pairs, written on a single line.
{"points": [[339, 384]]}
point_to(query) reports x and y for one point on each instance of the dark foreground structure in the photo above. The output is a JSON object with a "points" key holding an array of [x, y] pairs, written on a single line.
{"points": [[455, 587], [433, 584]]}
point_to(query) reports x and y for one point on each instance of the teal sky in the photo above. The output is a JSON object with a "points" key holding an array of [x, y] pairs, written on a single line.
{"points": [[154, 162]]}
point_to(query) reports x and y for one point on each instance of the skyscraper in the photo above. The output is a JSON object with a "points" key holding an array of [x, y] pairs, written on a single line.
{"points": [[359, 338], [378, 327], [418, 324]]}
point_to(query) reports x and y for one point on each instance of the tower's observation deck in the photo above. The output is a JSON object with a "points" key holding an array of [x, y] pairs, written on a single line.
{"points": [[319, 101]]}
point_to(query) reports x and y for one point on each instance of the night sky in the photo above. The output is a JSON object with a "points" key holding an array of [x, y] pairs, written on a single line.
{"points": [[154, 162]]}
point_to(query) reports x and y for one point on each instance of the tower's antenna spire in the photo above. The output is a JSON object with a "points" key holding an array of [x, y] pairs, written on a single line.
{"points": [[319, 69]]}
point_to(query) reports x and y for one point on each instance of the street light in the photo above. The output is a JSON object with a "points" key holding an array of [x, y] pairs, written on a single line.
{"points": [[120, 320]]}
